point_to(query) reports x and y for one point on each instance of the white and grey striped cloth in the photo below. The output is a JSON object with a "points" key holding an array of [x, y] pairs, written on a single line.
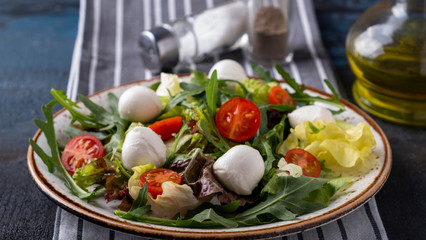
{"points": [[106, 54]]}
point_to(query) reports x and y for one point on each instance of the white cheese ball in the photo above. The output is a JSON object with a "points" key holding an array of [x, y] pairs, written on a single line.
{"points": [[229, 69], [309, 113], [240, 169], [142, 146], [139, 104]]}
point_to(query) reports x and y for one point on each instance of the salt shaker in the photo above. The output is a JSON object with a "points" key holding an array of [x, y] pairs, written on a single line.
{"points": [[194, 37]]}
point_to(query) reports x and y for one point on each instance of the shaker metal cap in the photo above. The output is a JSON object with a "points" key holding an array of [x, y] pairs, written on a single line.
{"points": [[159, 48]]}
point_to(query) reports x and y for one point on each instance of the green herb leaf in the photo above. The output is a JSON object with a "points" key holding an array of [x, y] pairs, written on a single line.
{"points": [[262, 73], [211, 95], [288, 197], [268, 144], [53, 162], [220, 144], [72, 132], [199, 78], [154, 86], [173, 150], [315, 129], [139, 208], [182, 96], [206, 215], [301, 97], [85, 120]]}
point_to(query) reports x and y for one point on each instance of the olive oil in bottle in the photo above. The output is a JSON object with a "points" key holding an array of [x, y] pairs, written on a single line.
{"points": [[386, 49]]}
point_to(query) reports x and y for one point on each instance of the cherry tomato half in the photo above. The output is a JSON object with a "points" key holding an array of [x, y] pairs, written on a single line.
{"points": [[279, 96], [154, 179], [308, 162], [165, 128], [238, 119], [80, 150]]}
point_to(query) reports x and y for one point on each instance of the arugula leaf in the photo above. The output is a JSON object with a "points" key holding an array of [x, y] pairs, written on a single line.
{"points": [[72, 132], [265, 75], [139, 207], [86, 121], [213, 219], [230, 92], [268, 145], [53, 162], [182, 96], [178, 136], [301, 97], [99, 118], [229, 207], [98, 113], [288, 197], [218, 142], [211, 95], [199, 78], [154, 86], [261, 144], [189, 86], [117, 138]]}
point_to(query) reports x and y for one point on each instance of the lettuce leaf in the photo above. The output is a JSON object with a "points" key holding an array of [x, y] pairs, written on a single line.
{"points": [[337, 143], [175, 199], [134, 184], [91, 173], [258, 88]]}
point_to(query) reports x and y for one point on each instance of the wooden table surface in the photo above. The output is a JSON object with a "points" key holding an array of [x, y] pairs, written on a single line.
{"points": [[36, 44]]}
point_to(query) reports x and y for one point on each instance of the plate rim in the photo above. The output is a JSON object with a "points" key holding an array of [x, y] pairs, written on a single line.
{"points": [[151, 230]]}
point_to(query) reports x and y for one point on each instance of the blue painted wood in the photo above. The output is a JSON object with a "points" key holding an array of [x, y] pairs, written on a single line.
{"points": [[36, 44]]}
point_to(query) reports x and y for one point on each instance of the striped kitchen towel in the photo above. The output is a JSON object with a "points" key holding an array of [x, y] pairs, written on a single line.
{"points": [[106, 54]]}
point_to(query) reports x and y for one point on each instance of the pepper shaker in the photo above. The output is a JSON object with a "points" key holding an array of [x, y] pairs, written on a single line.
{"points": [[269, 31]]}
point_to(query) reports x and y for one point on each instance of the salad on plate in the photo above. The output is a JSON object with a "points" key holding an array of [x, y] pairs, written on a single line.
{"points": [[221, 150]]}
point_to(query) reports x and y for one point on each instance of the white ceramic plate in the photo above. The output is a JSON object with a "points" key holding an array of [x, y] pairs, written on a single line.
{"points": [[368, 183]]}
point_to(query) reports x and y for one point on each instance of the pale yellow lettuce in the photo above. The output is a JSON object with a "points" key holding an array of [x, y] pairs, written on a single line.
{"points": [[337, 143], [174, 199], [169, 85], [288, 169]]}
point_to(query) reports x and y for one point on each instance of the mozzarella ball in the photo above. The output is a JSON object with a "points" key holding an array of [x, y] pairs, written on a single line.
{"points": [[139, 104], [229, 69], [142, 146], [240, 169], [309, 113]]}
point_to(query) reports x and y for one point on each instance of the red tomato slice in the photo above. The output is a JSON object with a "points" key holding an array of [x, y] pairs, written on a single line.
{"points": [[308, 162], [80, 150], [238, 119], [279, 96], [165, 128], [154, 179]]}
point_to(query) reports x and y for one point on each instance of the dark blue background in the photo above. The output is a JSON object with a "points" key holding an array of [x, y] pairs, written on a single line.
{"points": [[36, 44]]}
